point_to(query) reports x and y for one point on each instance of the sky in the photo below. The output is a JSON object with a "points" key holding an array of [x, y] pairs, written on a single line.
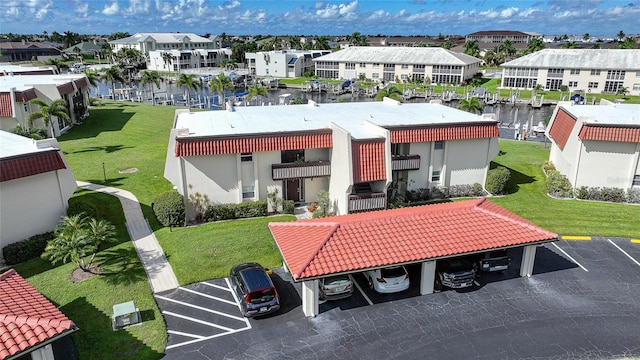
{"points": [[303, 17]]}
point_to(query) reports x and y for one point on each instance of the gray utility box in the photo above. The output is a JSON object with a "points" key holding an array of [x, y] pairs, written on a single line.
{"points": [[125, 314]]}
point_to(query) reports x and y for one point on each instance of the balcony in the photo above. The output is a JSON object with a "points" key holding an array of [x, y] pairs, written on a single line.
{"points": [[367, 202], [405, 162], [303, 170]]}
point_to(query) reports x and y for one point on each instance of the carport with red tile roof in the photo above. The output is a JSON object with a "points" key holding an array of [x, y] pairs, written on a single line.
{"points": [[315, 248]]}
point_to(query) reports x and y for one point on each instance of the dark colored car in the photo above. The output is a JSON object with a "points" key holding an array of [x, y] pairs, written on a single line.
{"points": [[254, 289], [455, 273], [495, 260]]}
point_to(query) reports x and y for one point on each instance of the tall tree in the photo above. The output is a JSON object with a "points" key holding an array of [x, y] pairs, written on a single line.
{"points": [[391, 92], [569, 45], [112, 75], [57, 108], [294, 42], [219, 84], [586, 37], [321, 43], [257, 91], [167, 58], [621, 35], [357, 39], [535, 44], [507, 48], [118, 35], [152, 78], [472, 105], [189, 83], [628, 43], [93, 77], [471, 48], [447, 44]]}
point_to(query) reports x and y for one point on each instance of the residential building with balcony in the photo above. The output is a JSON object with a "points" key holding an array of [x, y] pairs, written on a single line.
{"points": [[16, 92], [594, 71], [500, 36], [146, 42], [12, 51], [596, 145], [389, 64], [179, 60], [355, 151], [282, 63]]}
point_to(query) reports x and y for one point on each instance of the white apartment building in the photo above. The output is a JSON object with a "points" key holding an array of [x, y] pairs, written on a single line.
{"points": [[596, 145], [178, 60], [282, 63], [500, 36], [389, 64], [590, 70], [146, 42], [355, 151]]}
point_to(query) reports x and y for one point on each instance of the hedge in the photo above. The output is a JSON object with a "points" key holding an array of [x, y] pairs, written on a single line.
{"points": [[558, 185], [497, 180], [169, 209], [608, 194], [82, 207], [25, 250], [238, 211]]}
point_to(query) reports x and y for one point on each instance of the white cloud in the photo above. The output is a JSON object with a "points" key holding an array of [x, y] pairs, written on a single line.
{"points": [[137, 7], [332, 11], [231, 4], [81, 9], [112, 9], [528, 12], [509, 12]]}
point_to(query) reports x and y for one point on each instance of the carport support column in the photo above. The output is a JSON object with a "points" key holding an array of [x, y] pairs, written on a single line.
{"points": [[310, 298], [427, 277], [528, 258]]}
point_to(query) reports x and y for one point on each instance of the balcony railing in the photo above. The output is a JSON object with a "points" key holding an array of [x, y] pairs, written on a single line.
{"points": [[367, 202], [405, 162], [302, 170]]}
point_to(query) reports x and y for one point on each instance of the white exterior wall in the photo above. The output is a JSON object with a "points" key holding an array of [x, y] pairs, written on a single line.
{"points": [[341, 170], [631, 80], [468, 160], [264, 178], [216, 176], [419, 179], [313, 186], [606, 164]]}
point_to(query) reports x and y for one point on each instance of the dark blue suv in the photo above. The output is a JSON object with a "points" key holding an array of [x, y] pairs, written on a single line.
{"points": [[255, 289]]}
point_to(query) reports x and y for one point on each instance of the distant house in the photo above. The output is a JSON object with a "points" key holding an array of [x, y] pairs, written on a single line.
{"points": [[16, 91], [282, 63], [31, 327], [355, 151], [500, 36], [35, 186], [9, 69], [84, 48], [387, 64], [27, 51], [597, 145], [586, 70], [146, 42], [178, 60]]}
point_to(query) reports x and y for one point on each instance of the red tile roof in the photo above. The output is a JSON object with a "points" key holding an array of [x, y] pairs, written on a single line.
{"points": [[610, 133], [5, 105], [27, 318], [30, 164], [368, 160], [561, 128], [440, 133], [249, 144], [354, 242]]}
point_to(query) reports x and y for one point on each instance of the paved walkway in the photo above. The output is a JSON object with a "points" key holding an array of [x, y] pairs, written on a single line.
{"points": [[158, 269]]}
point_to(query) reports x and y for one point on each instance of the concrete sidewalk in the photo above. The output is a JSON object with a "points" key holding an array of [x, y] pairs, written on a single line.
{"points": [[158, 269]]}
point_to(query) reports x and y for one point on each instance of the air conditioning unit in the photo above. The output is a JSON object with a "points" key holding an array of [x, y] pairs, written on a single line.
{"points": [[125, 314]]}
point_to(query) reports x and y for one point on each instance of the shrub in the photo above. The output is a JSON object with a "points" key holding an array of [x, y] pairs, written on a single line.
{"points": [[547, 166], [466, 190], [497, 180], [25, 250], [612, 194], [169, 209], [220, 212], [288, 206], [593, 193], [251, 209], [440, 192], [477, 189], [422, 194], [582, 193], [558, 184], [237, 211], [633, 196], [79, 207]]}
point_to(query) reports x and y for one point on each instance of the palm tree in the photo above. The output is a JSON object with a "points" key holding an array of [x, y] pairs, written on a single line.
{"points": [[257, 91], [472, 105], [391, 92], [586, 37], [628, 43], [93, 77], [623, 91], [33, 133], [219, 84], [151, 78], [621, 35], [99, 231], [569, 45], [357, 39], [167, 58], [112, 74], [189, 82], [321, 43], [490, 58], [58, 63], [57, 108], [471, 48], [535, 44], [507, 48], [294, 42]]}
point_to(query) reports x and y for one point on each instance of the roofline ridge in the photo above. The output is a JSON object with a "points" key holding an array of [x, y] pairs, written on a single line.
{"points": [[322, 244], [510, 219], [8, 273]]}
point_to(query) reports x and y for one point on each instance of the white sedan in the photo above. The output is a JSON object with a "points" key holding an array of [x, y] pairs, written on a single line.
{"points": [[388, 280]]}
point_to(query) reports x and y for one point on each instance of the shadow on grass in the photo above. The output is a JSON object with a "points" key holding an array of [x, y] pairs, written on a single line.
{"points": [[96, 338], [107, 149], [517, 178], [120, 266], [101, 120]]}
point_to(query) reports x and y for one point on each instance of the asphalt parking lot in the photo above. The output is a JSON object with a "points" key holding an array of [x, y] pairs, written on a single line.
{"points": [[581, 303]]}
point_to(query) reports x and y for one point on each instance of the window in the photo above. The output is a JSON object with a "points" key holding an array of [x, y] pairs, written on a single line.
{"points": [[555, 73], [636, 87], [376, 65], [438, 145], [575, 71], [573, 84], [248, 192], [612, 86], [593, 85], [553, 84], [403, 77], [375, 75], [350, 66], [435, 176], [636, 180], [595, 72], [246, 157], [404, 66], [362, 65], [26, 107], [615, 75]]}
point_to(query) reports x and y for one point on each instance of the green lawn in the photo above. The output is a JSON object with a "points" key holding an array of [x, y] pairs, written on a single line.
{"points": [[89, 303], [210, 250], [527, 198]]}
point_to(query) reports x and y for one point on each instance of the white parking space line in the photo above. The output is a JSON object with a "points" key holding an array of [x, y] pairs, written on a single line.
{"points": [[185, 334], [624, 252], [209, 296], [205, 338], [201, 308], [362, 292], [197, 320], [570, 258], [217, 286]]}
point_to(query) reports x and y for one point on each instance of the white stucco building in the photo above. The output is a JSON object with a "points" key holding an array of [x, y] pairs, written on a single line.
{"points": [[146, 42], [589, 70], [282, 63], [35, 186], [387, 64], [355, 151], [597, 145], [17, 90], [178, 60]]}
